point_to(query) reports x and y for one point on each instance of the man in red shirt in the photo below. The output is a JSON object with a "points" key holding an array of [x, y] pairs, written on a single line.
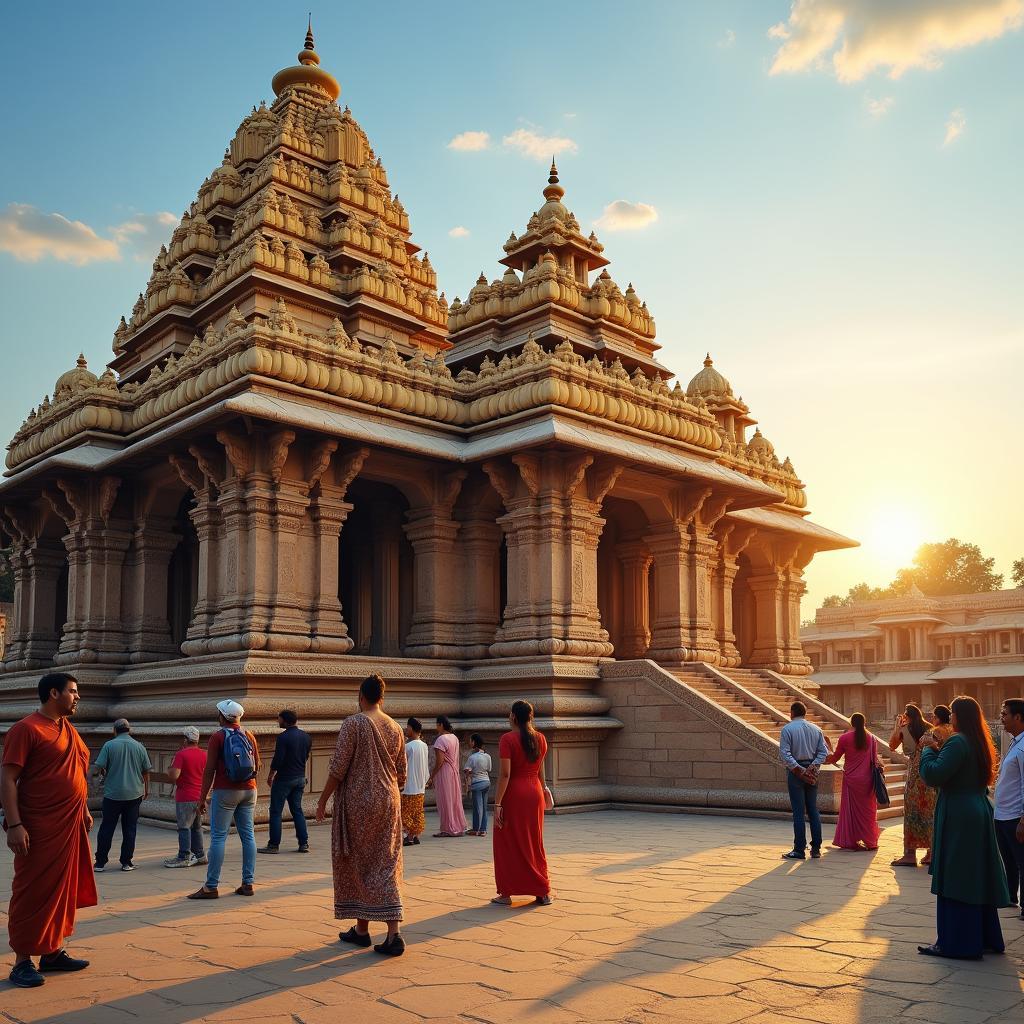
{"points": [[186, 772], [231, 801]]}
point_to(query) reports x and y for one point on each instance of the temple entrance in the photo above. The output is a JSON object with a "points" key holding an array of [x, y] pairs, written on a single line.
{"points": [[182, 575], [375, 570], [623, 578]]}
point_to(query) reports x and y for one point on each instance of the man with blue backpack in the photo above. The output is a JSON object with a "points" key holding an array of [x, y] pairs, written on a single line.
{"points": [[232, 764]]}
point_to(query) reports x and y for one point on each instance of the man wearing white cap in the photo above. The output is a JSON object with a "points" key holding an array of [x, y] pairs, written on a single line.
{"points": [[186, 772], [232, 764]]}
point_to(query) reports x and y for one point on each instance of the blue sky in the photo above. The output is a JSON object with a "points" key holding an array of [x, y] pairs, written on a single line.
{"points": [[846, 243]]}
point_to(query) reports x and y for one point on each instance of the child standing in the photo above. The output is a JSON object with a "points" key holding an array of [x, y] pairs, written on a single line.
{"points": [[478, 778]]}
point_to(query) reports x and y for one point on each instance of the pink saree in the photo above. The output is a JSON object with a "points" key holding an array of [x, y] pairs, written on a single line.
{"points": [[448, 786], [858, 811]]}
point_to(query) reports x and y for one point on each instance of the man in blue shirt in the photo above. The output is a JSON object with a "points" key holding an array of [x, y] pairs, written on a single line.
{"points": [[124, 766], [803, 751], [1009, 800], [287, 780]]}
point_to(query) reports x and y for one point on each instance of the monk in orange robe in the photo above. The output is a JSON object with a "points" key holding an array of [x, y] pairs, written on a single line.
{"points": [[44, 792]]}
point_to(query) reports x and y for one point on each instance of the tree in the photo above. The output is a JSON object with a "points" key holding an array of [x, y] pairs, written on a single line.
{"points": [[1017, 573], [946, 567], [949, 567]]}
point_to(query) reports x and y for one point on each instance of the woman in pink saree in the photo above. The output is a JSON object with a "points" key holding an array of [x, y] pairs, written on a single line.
{"points": [[857, 828], [447, 782]]}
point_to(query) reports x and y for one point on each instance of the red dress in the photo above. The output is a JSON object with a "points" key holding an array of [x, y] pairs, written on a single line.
{"points": [[520, 864]]}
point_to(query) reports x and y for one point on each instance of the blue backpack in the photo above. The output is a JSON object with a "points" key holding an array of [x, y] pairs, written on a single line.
{"points": [[239, 757]]}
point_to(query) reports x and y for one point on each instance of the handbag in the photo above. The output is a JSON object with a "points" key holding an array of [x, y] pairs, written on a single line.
{"points": [[878, 780]]}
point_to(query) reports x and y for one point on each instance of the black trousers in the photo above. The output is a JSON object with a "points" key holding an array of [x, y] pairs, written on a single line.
{"points": [[1012, 853], [128, 813]]}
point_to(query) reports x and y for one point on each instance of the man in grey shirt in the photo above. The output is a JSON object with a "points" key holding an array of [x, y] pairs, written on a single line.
{"points": [[803, 751]]}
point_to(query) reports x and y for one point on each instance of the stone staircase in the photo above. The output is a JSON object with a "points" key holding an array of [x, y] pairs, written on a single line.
{"points": [[762, 699]]}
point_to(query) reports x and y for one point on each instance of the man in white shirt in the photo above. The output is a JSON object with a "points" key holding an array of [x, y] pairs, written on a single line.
{"points": [[803, 751], [1009, 799], [414, 821]]}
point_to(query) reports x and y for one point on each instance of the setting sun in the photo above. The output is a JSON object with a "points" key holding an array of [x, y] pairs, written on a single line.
{"points": [[892, 535]]}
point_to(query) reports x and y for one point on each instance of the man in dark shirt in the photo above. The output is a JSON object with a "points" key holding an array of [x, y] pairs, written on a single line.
{"points": [[287, 780]]}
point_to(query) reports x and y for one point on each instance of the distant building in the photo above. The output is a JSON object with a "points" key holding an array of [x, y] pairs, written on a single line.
{"points": [[877, 656]]}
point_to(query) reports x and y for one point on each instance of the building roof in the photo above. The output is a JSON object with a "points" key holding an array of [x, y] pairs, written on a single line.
{"points": [[910, 678], [896, 620], [769, 519], [986, 622], [809, 635], [1000, 671], [839, 678], [709, 382]]}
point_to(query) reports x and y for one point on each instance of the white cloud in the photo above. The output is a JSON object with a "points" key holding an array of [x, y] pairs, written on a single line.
{"points": [[458, 232], [538, 147], [880, 107], [955, 126], [728, 39], [143, 235], [30, 235], [862, 36], [470, 142], [622, 215]]}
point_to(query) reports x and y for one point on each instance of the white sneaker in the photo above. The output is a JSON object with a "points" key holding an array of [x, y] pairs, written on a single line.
{"points": [[127, 867]]}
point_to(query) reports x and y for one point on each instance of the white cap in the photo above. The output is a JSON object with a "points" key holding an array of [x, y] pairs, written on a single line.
{"points": [[191, 733], [230, 709]]}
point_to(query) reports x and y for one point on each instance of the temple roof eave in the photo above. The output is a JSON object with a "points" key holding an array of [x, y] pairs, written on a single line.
{"points": [[778, 521]]}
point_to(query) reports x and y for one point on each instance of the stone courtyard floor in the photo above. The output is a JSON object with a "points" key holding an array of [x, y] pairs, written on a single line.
{"points": [[659, 917]]}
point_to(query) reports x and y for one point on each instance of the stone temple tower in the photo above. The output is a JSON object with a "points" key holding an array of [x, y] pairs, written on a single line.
{"points": [[301, 466]]}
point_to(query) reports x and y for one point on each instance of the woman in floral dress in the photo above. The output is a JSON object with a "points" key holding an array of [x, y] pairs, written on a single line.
{"points": [[918, 798]]}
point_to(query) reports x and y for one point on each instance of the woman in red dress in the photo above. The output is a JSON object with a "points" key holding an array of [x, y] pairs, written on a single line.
{"points": [[520, 864]]}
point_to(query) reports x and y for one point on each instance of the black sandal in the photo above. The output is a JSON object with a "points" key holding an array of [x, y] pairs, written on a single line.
{"points": [[391, 947], [355, 937]]}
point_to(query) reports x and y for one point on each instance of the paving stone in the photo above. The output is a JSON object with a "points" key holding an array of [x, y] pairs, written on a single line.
{"points": [[658, 918]]}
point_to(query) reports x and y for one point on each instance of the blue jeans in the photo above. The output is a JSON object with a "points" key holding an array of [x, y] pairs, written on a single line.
{"points": [[229, 805], [803, 797], [480, 791], [289, 790], [190, 828]]}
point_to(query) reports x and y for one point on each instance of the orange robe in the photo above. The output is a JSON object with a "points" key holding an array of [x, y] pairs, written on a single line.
{"points": [[56, 876]]}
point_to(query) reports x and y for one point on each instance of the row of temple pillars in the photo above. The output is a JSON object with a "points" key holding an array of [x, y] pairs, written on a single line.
{"points": [[276, 553]]}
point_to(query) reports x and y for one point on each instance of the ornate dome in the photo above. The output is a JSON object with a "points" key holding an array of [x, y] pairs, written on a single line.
{"points": [[709, 382], [76, 379], [307, 72], [760, 444]]}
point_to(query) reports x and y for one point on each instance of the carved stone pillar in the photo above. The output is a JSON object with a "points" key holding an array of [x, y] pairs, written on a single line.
{"points": [[732, 540], [147, 625], [478, 611], [552, 529], [796, 662], [96, 546], [432, 531], [386, 534], [201, 471], [684, 552], [636, 633], [329, 634], [33, 631], [771, 613]]}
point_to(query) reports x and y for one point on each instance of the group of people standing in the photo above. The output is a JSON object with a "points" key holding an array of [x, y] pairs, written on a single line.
{"points": [[376, 780], [973, 851]]}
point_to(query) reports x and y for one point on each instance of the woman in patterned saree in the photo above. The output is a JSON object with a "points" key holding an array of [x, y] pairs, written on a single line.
{"points": [[918, 798], [365, 777]]}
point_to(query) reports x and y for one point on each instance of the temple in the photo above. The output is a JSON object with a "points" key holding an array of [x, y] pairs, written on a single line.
{"points": [[302, 465]]}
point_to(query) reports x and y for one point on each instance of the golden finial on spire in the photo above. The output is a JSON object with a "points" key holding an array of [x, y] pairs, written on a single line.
{"points": [[309, 33], [308, 72], [554, 191]]}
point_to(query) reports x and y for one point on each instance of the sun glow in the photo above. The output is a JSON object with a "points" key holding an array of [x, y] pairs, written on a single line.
{"points": [[891, 537]]}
